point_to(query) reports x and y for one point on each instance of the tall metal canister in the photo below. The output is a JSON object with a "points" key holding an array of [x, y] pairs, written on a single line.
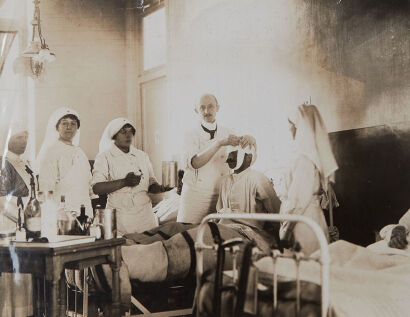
{"points": [[170, 173]]}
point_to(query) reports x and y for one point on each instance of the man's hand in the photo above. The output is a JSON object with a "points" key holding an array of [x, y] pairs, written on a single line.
{"points": [[231, 140], [398, 238], [247, 140], [132, 180]]}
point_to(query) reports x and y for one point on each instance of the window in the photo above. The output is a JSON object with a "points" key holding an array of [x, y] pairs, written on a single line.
{"points": [[6, 41], [154, 39]]}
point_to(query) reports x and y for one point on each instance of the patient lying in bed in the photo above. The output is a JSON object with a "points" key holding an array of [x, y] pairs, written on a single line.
{"points": [[396, 235], [362, 283], [167, 252]]}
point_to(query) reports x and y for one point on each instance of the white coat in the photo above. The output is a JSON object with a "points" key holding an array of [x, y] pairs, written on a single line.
{"points": [[201, 186]]}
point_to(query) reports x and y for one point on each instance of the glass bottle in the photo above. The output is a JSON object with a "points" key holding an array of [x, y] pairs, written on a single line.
{"points": [[32, 213], [83, 220], [62, 218], [49, 218], [20, 231]]}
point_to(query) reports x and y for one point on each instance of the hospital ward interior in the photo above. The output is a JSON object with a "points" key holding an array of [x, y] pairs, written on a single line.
{"points": [[204, 158]]}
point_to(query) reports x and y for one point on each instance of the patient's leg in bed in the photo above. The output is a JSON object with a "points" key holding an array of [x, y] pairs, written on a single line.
{"points": [[160, 233], [171, 259]]}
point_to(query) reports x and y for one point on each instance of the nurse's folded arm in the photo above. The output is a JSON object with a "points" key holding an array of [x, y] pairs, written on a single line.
{"points": [[130, 180]]}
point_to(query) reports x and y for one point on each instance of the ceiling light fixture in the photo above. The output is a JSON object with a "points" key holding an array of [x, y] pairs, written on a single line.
{"points": [[38, 50]]}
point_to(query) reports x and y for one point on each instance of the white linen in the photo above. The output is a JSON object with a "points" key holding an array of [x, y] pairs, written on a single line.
{"points": [[66, 171], [134, 208], [382, 247], [362, 283], [404, 221]]}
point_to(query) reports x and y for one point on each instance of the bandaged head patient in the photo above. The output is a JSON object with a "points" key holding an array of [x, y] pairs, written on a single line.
{"points": [[167, 252], [239, 159]]}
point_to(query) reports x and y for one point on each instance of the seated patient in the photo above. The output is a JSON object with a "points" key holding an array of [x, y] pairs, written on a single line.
{"points": [[170, 253], [396, 235]]}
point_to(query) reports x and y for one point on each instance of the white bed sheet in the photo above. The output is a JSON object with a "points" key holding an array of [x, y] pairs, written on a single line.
{"points": [[362, 282]]}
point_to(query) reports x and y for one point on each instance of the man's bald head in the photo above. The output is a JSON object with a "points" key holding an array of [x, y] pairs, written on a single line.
{"points": [[208, 107], [208, 98]]}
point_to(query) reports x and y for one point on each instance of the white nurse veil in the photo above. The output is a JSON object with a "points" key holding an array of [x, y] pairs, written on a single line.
{"points": [[313, 141], [52, 134], [110, 130]]}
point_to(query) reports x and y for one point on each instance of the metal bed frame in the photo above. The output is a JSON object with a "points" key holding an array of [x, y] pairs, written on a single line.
{"points": [[232, 245], [323, 260]]}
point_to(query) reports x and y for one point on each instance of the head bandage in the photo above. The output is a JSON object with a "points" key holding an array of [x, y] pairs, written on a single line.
{"points": [[112, 129], [241, 154]]}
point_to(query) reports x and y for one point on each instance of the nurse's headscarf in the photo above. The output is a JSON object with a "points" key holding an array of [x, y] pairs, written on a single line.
{"points": [[313, 141], [52, 134], [241, 154], [7, 131], [112, 129]]}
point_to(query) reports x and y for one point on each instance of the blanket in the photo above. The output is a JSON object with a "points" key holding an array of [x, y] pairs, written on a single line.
{"points": [[362, 282], [382, 247]]}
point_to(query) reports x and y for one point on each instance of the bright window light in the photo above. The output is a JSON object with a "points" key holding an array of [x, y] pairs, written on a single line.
{"points": [[154, 39]]}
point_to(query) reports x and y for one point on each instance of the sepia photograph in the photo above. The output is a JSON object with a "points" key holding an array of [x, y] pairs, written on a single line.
{"points": [[204, 158]]}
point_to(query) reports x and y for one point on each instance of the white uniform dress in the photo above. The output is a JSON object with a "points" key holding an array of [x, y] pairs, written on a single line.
{"points": [[133, 205], [201, 186], [302, 198], [66, 171]]}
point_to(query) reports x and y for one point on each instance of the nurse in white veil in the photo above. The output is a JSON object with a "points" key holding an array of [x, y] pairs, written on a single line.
{"points": [[309, 176], [63, 165], [126, 175], [15, 175]]}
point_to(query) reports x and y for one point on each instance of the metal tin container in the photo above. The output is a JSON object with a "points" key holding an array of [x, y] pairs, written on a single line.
{"points": [[107, 220], [169, 173]]}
